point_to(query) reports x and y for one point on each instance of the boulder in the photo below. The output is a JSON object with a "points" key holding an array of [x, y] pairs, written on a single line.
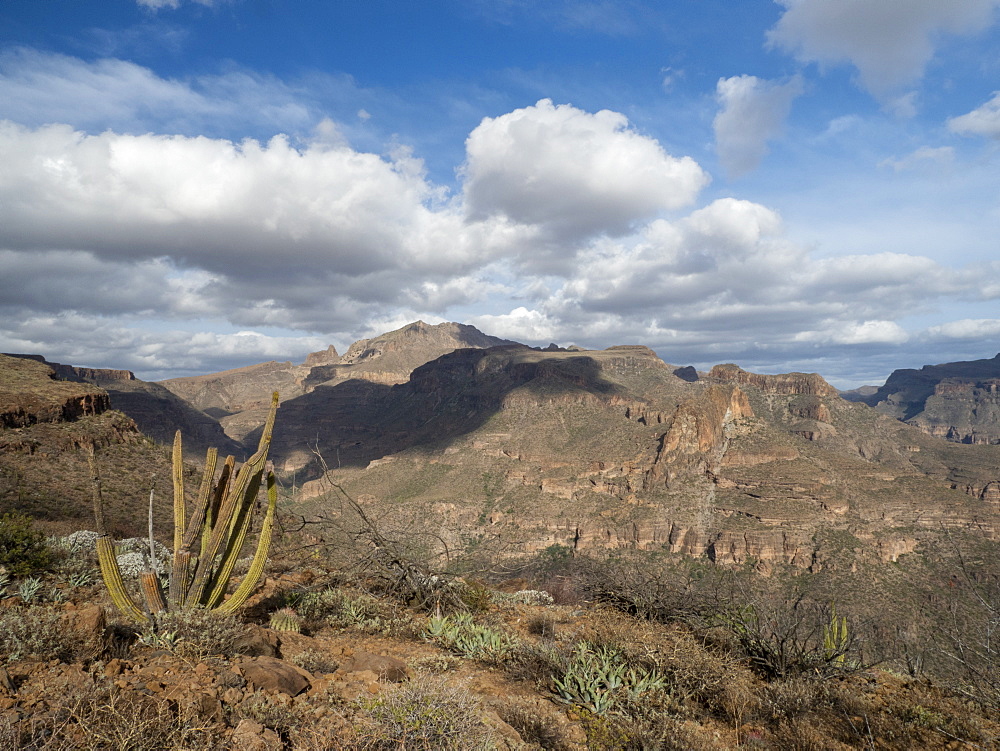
{"points": [[271, 674], [386, 668]]}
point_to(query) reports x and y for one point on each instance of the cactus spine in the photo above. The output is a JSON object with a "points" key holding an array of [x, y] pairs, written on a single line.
{"points": [[206, 544]]}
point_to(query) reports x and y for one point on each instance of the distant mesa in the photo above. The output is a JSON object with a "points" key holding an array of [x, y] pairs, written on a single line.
{"points": [[31, 392], [958, 401], [785, 383]]}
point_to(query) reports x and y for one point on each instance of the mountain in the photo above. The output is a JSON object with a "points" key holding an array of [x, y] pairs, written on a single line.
{"points": [[157, 412], [524, 448], [529, 448], [48, 426], [959, 401], [239, 398]]}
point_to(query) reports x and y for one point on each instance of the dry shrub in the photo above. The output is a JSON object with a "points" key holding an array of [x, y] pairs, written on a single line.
{"points": [[788, 699], [533, 726], [39, 632], [200, 632], [436, 664], [543, 625], [97, 717], [314, 661], [807, 734], [648, 731], [425, 715]]}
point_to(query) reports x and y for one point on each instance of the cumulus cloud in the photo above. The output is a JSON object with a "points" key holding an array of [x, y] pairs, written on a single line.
{"points": [[863, 332], [982, 121], [572, 173], [752, 112], [84, 339], [218, 205], [726, 282], [259, 234], [889, 43], [128, 248]]}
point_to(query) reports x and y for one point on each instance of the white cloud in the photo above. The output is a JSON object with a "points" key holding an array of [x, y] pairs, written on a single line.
{"points": [[520, 324], [922, 157], [864, 332], [982, 121], [172, 4], [83, 339], [573, 173], [212, 203], [889, 43], [752, 112], [904, 106], [38, 88], [727, 280], [981, 328], [127, 247]]}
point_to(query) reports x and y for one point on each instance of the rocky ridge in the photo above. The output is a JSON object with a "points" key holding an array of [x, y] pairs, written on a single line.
{"points": [[957, 401], [239, 398], [30, 392], [157, 412], [610, 448]]}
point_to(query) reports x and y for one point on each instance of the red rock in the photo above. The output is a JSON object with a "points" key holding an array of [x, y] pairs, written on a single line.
{"points": [[252, 736], [272, 674], [385, 668]]}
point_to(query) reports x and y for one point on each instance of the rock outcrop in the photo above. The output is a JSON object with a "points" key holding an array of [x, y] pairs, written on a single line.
{"points": [[31, 393], [957, 401], [157, 412], [784, 384]]}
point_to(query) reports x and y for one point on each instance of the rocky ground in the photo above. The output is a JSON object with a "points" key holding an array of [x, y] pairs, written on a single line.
{"points": [[314, 663]]}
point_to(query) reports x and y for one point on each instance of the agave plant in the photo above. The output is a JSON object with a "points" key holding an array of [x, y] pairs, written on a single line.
{"points": [[207, 542]]}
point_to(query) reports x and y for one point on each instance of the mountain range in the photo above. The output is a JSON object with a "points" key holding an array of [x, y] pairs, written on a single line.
{"points": [[481, 442]]}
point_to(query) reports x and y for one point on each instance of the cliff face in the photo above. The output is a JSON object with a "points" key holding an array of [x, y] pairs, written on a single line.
{"points": [[48, 427], [30, 393], [785, 384], [958, 401], [156, 411], [611, 448]]}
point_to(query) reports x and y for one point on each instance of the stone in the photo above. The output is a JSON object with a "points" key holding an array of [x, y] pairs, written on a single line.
{"points": [[272, 674], [252, 736], [385, 668], [259, 642]]}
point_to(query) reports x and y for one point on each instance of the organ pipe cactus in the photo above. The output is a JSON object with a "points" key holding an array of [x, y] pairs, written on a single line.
{"points": [[208, 542]]}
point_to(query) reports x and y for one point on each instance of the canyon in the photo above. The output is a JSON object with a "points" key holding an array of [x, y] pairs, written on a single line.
{"points": [[483, 446]]}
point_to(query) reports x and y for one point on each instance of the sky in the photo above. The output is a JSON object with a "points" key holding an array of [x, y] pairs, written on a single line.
{"points": [[188, 186]]}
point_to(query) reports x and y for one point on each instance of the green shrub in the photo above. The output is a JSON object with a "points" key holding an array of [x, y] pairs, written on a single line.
{"points": [[601, 679], [461, 634], [23, 550]]}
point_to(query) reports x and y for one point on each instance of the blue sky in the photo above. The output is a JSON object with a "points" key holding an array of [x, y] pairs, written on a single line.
{"points": [[192, 185]]}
